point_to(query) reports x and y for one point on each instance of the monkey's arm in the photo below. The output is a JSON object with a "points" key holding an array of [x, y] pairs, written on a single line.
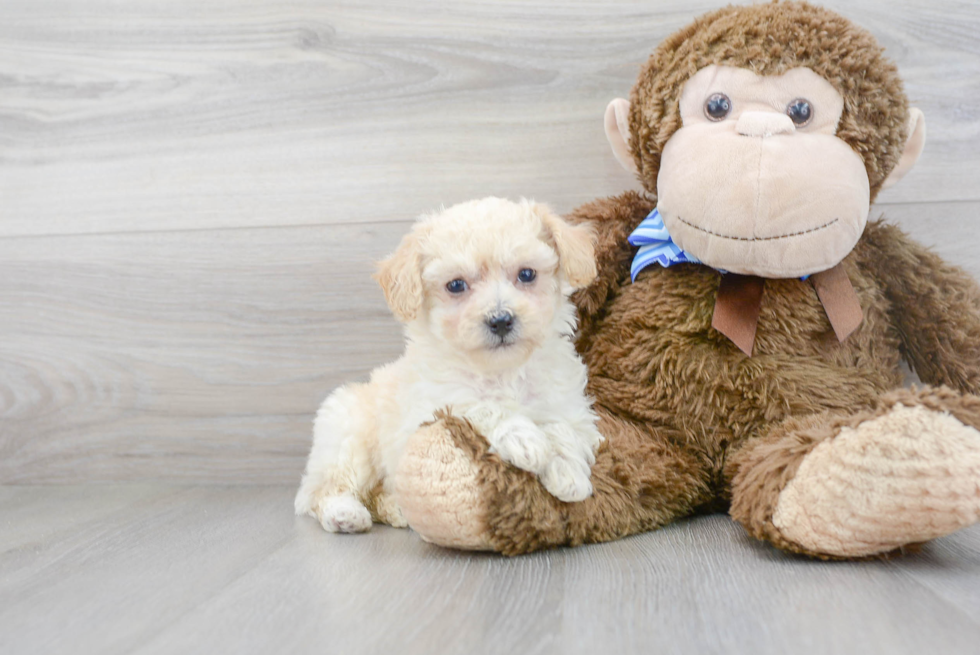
{"points": [[935, 307], [613, 219]]}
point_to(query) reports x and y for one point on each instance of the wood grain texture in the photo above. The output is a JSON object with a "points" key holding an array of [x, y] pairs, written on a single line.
{"points": [[227, 569], [191, 195], [180, 355], [182, 115]]}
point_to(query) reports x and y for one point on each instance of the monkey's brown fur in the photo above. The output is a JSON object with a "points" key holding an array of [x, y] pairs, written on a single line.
{"points": [[691, 423], [770, 40]]}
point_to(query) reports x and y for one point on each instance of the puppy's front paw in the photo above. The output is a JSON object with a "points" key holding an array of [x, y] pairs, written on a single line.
{"points": [[519, 441], [567, 479], [343, 514]]}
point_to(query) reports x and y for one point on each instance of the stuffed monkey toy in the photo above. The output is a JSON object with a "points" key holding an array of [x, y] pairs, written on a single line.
{"points": [[745, 332]]}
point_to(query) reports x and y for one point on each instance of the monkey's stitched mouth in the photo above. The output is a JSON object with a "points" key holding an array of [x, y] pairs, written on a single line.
{"points": [[781, 236]]}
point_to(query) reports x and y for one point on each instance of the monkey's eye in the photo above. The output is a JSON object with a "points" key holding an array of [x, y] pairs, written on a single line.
{"points": [[527, 275], [717, 106], [456, 286], [799, 111]]}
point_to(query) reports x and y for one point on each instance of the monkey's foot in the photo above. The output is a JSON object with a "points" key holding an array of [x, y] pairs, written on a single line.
{"points": [[906, 476]]}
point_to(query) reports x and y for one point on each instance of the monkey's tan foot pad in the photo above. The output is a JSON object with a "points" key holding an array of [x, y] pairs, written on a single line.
{"points": [[904, 477], [438, 489]]}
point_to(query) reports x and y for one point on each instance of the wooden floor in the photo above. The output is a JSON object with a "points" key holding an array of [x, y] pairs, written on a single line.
{"points": [[195, 569], [191, 196]]}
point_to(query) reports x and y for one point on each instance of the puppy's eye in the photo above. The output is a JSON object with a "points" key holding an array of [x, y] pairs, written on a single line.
{"points": [[456, 286], [527, 275], [717, 106], [799, 111]]}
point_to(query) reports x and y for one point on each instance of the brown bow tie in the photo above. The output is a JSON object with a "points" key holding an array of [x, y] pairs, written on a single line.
{"points": [[740, 297]]}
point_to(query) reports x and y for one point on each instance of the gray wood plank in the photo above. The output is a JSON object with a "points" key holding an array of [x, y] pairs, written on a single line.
{"points": [[199, 355], [703, 586], [696, 587], [184, 115], [211, 569], [949, 568], [32, 515], [105, 585]]}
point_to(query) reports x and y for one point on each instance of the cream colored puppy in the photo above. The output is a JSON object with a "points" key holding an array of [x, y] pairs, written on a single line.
{"points": [[482, 288]]}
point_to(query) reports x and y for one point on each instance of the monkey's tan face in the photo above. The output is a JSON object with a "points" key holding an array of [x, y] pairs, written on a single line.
{"points": [[756, 181]]}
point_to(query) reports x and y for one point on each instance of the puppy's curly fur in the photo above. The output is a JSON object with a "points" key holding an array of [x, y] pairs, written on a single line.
{"points": [[482, 289]]}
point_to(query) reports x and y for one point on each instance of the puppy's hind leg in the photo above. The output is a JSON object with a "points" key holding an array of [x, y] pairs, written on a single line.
{"points": [[341, 467]]}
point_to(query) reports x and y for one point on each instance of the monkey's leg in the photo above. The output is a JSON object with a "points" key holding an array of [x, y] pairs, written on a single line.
{"points": [[453, 492], [842, 486]]}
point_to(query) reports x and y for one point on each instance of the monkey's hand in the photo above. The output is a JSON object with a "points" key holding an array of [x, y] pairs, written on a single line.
{"points": [[935, 307]]}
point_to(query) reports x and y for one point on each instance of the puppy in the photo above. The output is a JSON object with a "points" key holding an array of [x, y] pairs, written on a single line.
{"points": [[482, 289]]}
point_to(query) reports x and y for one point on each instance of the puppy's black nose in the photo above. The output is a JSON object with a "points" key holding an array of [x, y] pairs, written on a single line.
{"points": [[501, 324]]}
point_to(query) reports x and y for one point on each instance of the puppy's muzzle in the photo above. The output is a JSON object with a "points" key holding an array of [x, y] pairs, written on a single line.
{"points": [[501, 324]]}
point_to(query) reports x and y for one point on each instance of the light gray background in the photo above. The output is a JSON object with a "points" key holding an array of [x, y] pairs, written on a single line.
{"points": [[191, 198]]}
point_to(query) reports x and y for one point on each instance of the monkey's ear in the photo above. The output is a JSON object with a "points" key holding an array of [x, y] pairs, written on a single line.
{"points": [[617, 124], [574, 244], [913, 148], [400, 277]]}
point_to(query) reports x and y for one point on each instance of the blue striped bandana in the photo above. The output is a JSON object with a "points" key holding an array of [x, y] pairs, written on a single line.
{"points": [[655, 246]]}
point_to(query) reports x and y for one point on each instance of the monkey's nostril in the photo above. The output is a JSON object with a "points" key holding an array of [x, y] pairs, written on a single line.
{"points": [[501, 324]]}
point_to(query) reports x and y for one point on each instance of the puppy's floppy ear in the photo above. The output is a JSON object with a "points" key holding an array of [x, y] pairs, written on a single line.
{"points": [[575, 246], [400, 277]]}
